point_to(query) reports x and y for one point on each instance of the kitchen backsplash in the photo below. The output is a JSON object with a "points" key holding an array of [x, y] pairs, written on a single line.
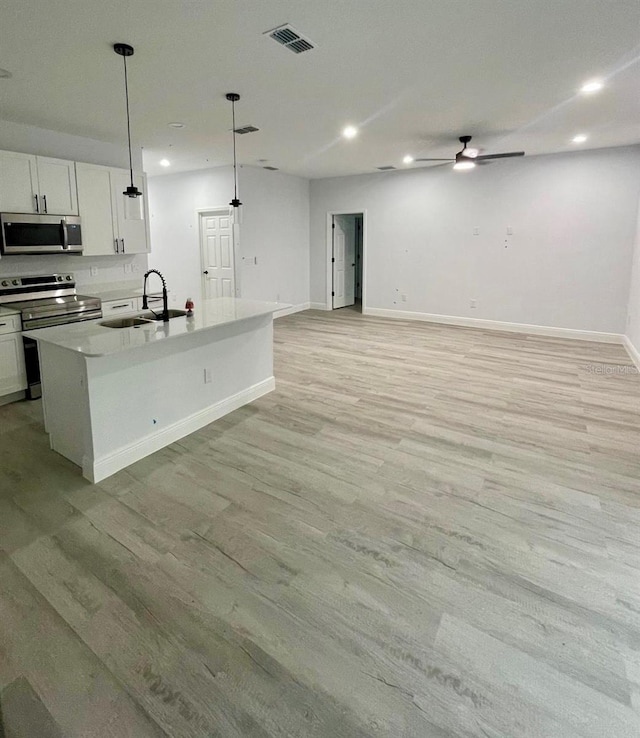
{"points": [[88, 270]]}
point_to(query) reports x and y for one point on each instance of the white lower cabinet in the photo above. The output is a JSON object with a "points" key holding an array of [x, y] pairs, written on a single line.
{"points": [[112, 223], [13, 377]]}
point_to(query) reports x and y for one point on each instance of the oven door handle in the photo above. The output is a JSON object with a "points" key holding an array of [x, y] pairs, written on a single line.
{"points": [[65, 234]]}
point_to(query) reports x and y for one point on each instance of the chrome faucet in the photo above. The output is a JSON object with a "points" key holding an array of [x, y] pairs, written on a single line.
{"points": [[165, 298]]}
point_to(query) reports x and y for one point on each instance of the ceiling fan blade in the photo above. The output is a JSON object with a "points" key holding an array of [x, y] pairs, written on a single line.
{"points": [[434, 159], [506, 155]]}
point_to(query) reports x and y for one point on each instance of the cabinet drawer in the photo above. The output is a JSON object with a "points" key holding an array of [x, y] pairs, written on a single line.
{"points": [[113, 307], [10, 324]]}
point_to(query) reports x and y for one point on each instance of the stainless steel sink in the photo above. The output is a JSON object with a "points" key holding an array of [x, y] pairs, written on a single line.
{"points": [[124, 322], [172, 314]]}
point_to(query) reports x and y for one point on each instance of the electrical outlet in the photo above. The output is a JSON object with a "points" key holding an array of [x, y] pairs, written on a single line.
{"points": [[93, 271], [135, 267], [476, 231], [473, 303], [509, 231], [404, 298], [278, 297], [208, 376], [127, 268]]}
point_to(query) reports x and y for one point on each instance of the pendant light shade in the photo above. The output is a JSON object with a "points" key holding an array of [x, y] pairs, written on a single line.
{"points": [[236, 205], [125, 50]]}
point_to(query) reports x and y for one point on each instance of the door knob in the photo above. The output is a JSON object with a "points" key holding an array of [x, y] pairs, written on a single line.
{"points": [[205, 272]]}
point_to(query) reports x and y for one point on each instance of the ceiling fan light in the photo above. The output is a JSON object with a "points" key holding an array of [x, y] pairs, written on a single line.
{"points": [[463, 165], [593, 85]]}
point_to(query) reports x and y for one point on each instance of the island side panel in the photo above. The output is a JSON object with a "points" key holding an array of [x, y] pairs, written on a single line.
{"points": [[65, 401], [144, 399]]}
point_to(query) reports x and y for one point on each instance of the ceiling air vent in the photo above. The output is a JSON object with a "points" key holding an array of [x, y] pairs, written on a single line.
{"points": [[385, 169], [290, 39], [271, 169], [246, 129]]}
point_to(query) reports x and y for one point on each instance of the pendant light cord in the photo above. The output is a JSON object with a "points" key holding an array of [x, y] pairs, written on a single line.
{"points": [[233, 133], [126, 93]]}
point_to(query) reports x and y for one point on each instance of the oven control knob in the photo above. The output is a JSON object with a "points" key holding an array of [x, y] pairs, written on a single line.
{"points": [[15, 281], [59, 279], [4, 283], [68, 278]]}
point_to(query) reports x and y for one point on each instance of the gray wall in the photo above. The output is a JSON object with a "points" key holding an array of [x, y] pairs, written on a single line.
{"points": [[275, 231], [567, 263]]}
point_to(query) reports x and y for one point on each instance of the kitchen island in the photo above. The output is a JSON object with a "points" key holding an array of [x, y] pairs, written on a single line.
{"points": [[112, 396]]}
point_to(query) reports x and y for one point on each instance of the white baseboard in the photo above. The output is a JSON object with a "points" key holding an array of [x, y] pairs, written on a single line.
{"points": [[13, 397], [319, 306], [96, 470], [292, 309], [496, 325], [632, 351]]}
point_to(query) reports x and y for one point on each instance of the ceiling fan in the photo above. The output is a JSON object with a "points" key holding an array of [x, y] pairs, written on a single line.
{"points": [[467, 158]]}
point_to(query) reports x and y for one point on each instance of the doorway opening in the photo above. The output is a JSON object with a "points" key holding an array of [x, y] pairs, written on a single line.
{"points": [[217, 253], [347, 260]]}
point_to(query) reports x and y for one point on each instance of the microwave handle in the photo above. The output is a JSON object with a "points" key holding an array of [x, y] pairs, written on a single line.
{"points": [[35, 197], [65, 234]]}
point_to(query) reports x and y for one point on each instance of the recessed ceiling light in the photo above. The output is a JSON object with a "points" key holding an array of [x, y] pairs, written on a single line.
{"points": [[176, 125], [165, 163], [580, 138], [592, 86], [408, 159], [350, 132], [5, 74]]}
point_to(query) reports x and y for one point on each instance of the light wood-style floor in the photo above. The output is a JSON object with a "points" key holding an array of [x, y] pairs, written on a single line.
{"points": [[426, 531]]}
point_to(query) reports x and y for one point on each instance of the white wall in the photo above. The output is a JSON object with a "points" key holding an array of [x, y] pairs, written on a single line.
{"points": [[566, 265], [633, 313], [43, 142], [32, 140], [173, 202], [274, 229]]}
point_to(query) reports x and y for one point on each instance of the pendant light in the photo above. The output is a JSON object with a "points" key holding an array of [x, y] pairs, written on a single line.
{"points": [[236, 211], [124, 50]]}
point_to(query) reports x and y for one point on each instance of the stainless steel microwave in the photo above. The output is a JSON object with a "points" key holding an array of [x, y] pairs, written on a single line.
{"points": [[40, 234]]}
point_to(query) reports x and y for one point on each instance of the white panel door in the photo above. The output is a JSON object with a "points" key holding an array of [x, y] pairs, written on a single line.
{"points": [[57, 185], [131, 212], [96, 209], [18, 183], [217, 255], [344, 260], [12, 372]]}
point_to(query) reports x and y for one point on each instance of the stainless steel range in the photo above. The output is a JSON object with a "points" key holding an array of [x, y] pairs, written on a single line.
{"points": [[43, 301]]}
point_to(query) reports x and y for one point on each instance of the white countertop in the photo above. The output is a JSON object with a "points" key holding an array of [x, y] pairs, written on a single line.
{"points": [[92, 339], [124, 291], [6, 310]]}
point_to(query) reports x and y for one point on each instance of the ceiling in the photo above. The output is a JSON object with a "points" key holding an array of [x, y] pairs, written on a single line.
{"points": [[412, 74]]}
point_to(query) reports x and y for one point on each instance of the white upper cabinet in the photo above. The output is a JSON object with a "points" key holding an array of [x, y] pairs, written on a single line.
{"points": [[37, 184], [95, 204], [112, 223], [18, 183], [131, 212], [57, 185]]}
